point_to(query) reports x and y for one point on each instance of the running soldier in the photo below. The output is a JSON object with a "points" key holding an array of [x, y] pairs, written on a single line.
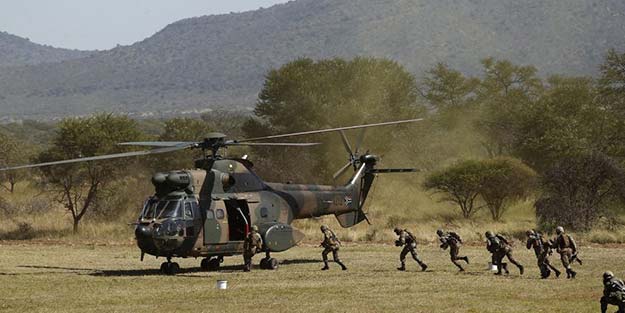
{"points": [[499, 246], [409, 242], [566, 247], [330, 243], [613, 293], [453, 241], [542, 250], [252, 244]]}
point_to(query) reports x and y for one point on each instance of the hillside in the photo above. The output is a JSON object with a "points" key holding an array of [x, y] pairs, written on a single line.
{"points": [[17, 51], [219, 61]]}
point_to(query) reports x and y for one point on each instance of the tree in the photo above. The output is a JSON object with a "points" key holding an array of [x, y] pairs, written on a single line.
{"points": [[506, 90], [504, 180], [447, 89], [612, 81], [305, 94], [565, 121], [12, 152], [579, 189], [460, 184], [77, 186]]}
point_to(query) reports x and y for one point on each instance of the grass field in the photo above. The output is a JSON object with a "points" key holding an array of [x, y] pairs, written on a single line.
{"points": [[88, 278]]}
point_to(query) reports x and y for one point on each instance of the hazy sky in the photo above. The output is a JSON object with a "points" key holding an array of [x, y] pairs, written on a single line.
{"points": [[102, 24]]}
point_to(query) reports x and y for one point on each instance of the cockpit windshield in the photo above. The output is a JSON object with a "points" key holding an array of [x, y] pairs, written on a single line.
{"points": [[162, 209]]}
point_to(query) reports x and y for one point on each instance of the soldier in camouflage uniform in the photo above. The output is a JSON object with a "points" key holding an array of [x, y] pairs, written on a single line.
{"points": [[330, 243], [542, 250], [499, 246], [453, 241], [409, 242], [613, 293], [566, 247], [252, 244]]}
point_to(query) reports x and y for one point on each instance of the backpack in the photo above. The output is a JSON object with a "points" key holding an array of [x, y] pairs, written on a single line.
{"points": [[503, 240], [455, 236], [411, 236]]}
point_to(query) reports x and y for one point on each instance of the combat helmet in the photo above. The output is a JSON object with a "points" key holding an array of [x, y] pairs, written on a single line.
{"points": [[489, 234], [559, 230], [530, 232], [255, 228], [324, 227], [397, 230], [607, 275], [440, 232]]}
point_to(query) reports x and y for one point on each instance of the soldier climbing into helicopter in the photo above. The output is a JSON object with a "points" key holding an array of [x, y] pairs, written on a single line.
{"points": [[252, 244]]}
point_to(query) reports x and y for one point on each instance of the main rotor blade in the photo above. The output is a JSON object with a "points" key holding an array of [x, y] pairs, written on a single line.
{"points": [[156, 143], [346, 143], [100, 157], [330, 130], [394, 170], [342, 170], [279, 144]]}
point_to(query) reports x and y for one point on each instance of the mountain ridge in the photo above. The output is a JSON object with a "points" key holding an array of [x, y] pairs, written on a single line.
{"points": [[18, 51], [219, 61]]}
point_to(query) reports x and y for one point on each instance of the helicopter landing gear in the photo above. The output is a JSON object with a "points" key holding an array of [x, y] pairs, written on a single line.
{"points": [[170, 268], [211, 264], [268, 263]]}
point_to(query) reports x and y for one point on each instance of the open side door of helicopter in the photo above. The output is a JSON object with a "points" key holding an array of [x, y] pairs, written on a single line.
{"points": [[229, 220], [238, 219]]}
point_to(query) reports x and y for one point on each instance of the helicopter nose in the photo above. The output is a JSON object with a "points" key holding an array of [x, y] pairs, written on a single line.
{"points": [[143, 232]]}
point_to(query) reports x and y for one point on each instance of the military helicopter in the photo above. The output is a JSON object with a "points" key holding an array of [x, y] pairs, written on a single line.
{"points": [[207, 212]]}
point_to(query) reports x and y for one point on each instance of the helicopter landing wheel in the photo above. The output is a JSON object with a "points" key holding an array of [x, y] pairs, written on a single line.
{"points": [[269, 264], [169, 268], [212, 264], [204, 264]]}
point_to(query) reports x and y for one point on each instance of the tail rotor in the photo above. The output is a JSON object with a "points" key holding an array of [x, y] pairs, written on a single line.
{"points": [[354, 156]]}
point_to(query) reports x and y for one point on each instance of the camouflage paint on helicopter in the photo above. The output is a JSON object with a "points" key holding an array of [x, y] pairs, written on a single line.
{"points": [[207, 214]]}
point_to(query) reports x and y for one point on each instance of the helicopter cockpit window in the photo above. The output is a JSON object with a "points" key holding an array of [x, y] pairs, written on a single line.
{"points": [[210, 215], [171, 209], [188, 212], [153, 209], [220, 214]]}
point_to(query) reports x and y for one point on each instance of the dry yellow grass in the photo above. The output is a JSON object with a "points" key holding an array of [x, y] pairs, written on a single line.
{"points": [[96, 278]]}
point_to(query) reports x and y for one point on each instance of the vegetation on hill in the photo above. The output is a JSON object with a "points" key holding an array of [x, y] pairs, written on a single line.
{"points": [[17, 51], [219, 61]]}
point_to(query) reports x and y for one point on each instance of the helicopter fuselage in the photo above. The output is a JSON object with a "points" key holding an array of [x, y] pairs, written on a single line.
{"points": [[206, 213]]}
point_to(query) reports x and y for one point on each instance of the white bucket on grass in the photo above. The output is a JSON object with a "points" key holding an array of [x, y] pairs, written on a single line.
{"points": [[222, 284], [492, 267]]}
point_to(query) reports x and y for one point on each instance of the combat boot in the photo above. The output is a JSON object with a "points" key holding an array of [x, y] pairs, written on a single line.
{"points": [[424, 267], [505, 268], [521, 269], [402, 267], [325, 266], [570, 273], [343, 267], [466, 259], [557, 273]]}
